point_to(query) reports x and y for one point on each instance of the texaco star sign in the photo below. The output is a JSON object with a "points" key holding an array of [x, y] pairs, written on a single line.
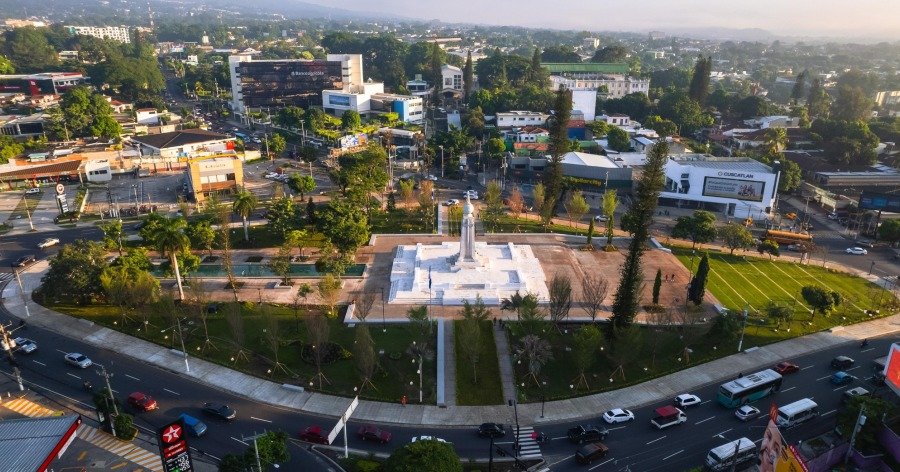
{"points": [[172, 434]]}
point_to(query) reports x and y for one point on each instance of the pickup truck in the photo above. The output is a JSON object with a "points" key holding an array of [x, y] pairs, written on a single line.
{"points": [[587, 433], [668, 416]]}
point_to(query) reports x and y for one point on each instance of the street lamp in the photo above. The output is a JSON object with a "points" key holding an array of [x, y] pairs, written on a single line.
{"points": [[743, 326], [515, 406], [187, 367], [383, 323], [442, 160]]}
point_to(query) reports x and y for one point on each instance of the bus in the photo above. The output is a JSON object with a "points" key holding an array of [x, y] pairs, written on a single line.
{"points": [[749, 388], [797, 412], [786, 237], [731, 455], [241, 136]]}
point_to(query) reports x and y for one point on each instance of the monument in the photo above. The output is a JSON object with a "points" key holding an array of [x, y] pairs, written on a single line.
{"points": [[453, 272]]}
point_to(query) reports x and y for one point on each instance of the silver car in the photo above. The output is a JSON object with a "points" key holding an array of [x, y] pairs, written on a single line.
{"points": [[25, 345], [78, 360]]}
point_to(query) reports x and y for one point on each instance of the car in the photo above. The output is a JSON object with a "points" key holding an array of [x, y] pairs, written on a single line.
{"points": [[864, 244], [785, 368], [32, 191], [687, 399], [314, 434], [219, 410], [48, 242], [590, 452], [471, 194], [193, 425], [451, 202], [841, 378], [24, 261], [427, 438], [794, 247], [600, 218], [491, 430], [855, 392], [142, 402], [431, 178], [78, 360], [856, 251], [25, 345], [270, 175], [618, 415], [587, 433], [368, 432], [842, 362], [746, 412]]}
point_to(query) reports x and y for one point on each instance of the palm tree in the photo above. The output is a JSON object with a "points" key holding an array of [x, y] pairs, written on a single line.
{"points": [[776, 140], [535, 352], [244, 204], [170, 239]]}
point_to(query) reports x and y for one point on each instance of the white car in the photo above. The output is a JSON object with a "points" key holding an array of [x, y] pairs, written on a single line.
{"points": [[78, 360], [25, 345], [270, 175], [686, 399], [431, 178], [746, 412], [48, 242], [32, 190], [471, 194], [451, 202], [857, 251], [427, 438], [618, 415], [600, 218]]}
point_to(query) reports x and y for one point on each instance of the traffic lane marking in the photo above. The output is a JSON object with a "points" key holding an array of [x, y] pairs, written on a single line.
{"points": [[173, 393], [39, 362], [823, 378], [852, 368], [673, 455], [259, 419], [598, 465], [73, 375], [238, 440], [723, 432], [807, 367], [132, 377], [703, 403], [557, 462], [869, 349], [657, 439], [704, 421], [828, 413], [788, 389]]}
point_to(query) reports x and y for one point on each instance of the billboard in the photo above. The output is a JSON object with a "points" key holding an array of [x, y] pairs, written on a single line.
{"points": [[750, 190], [173, 447], [892, 369], [353, 140], [880, 202]]}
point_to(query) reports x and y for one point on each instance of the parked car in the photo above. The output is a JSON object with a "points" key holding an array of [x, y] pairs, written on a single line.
{"points": [[746, 412], [451, 202], [785, 368], [24, 261], [864, 244], [193, 425], [590, 452], [314, 434], [587, 433], [142, 402], [25, 345], [600, 218], [471, 194], [219, 410], [78, 360], [33, 190], [427, 438], [841, 378], [842, 362], [431, 178], [491, 430], [855, 392], [368, 432], [48, 242], [687, 399], [618, 415], [857, 251]]}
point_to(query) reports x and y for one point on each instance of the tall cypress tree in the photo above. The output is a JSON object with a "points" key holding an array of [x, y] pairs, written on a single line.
{"points": [[468, 76], [817, 101], [799, 89], [699, 87], [657, 285], [698, 284], [627, 298], [559, 144], [435, 72]]}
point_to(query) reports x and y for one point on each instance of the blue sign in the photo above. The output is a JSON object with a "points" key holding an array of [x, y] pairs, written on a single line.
{"points": [[339, 101], [880, 202]]}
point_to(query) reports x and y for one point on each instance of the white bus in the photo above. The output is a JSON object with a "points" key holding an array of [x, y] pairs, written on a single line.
{"points": [[749, 388], [797, 412], [731, 454]]}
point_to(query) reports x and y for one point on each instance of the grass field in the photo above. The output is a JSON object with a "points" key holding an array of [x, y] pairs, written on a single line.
{"points": [[488, 390], [508, 224]]}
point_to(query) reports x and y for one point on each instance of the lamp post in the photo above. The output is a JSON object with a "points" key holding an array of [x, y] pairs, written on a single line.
{"points": [[515, 406], [106, 375], [693, 251], [383, 322], [743, 326], [22, 292], [187, 366], [442, 160], [28, 213], [8, 346], [871, 267]]}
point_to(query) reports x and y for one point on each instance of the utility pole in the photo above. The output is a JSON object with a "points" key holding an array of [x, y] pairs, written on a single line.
{"points": [[442, 160], [515, 406], [860, 421], [28, 212], [187, 367], [106, 377], [7, 345], [743, 327], [22, 292]]}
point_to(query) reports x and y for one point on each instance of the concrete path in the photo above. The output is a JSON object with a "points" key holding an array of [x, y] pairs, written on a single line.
{"points": [[449, 363], [504, 356]]}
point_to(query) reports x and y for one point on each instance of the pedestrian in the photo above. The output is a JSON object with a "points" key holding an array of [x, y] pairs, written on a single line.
{"points": [[672, 279]]}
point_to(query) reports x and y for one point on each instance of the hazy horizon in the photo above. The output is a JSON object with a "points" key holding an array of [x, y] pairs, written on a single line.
{"points": [[829, 18]]}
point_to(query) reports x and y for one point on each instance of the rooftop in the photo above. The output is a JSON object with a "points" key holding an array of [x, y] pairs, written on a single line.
{"points": [[590, 67], [31, 443], [179, 138], [723, 163], [590, 160]]}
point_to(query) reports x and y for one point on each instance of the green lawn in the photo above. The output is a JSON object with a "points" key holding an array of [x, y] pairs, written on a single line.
{"points": [[508, 224], [261, 237], [392, 380], [488, 390], [31, 200], [399, 221]]}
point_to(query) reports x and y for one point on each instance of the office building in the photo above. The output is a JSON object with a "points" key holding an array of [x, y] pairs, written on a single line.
{"points": [[116, 33], [521, 118], [219, 175], [45, 83]]}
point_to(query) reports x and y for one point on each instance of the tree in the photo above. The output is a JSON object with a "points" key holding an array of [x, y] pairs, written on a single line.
{"points": [[876, 408], [9, 148], [627, 298], [407, 191], [289, 117], [778, 311], [280, 264], [112, 234], [611, 53], [657, 285], [618, 139], [775, 140], [663, 127], [608, 207], [820, 299], [474, 124], [558, 53], [736, 236], [28, 50], [593, 293], [559, 146], [846, 142], [700, 227], [697, 288], [538, 196], [496, 147], [493, 209], [889, 231], [170, 239], [560, 292], [271, 448], [244, 204], [587, 341], [328, 289], [818, 100], [851, 104], [636, 105], [470, 331], [534, 352], [515, 202], [201, 234], [677, 106], [282, 215], [577, 206], [799, 89], [350, 120], [424, 456], [468, 75], [83, 112], [434, 73], [791, 176], [345, 225], [418, 318], [6, 66], [699, 87], [277, 144], [768, 247], [364, 354], [302, 184]]}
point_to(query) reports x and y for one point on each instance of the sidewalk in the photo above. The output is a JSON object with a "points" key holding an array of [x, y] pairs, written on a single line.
{"points": [[573, 409]]}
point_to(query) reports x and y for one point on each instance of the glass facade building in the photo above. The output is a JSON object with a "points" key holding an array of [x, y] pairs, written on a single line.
{"points": [[287, 82]]}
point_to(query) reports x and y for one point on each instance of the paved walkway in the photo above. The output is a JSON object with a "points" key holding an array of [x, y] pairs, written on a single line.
{"points": [[573, 409], [507, 376], [449, 364]]}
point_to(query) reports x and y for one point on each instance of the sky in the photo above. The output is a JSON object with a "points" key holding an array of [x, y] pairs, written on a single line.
{"points": [[833, 18]]}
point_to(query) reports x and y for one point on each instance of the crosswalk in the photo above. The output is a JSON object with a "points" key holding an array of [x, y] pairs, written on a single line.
{"points": [[123, 449], [4, 276], [26, 407], [529, 448]]}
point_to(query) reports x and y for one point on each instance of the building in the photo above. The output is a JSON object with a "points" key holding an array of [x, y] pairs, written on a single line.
{"points": [[97, 170], [775, 121], [616, 119], [418, 87], [45, 83], [217, 175], [147, 116], [528, 134], [585, 101], [357, 97], [617, 86], [737, 187], [514, 118], [184, 143], [452, 79], [24, 126], [602, 171], [116, 33], [258, 84], [590, 43], [32, 444], [887, 98], [409, 109]]}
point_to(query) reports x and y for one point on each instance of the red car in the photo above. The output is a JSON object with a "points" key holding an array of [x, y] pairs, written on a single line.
{"points": [[370, 432], [142, 401], [785, 368], [314, 434]]}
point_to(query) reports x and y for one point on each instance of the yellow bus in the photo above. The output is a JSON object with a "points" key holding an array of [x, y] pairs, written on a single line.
{"points": [[786, 237]]}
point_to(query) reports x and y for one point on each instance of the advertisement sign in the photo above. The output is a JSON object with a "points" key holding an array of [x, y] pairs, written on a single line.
{"points": [[750, 190], [790, 461], [338, 100], [879, 201], [892, 369], [770, 450], [173, 447], [352, 140]]}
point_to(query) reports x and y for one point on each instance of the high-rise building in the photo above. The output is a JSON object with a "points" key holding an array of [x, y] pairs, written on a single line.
{"points": [[116, 33]]}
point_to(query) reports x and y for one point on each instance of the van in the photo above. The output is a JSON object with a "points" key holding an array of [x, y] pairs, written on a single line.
{"points": [[731, 454], [797, 412], [878, 366], [193, 425], [591, 452], [853, 393], [668, 416]]}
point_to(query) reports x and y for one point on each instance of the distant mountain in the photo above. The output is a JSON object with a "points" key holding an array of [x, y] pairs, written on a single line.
{"points": [[293, 9], [723, 34]]}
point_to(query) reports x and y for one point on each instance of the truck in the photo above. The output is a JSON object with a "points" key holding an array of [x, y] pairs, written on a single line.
{"points": [[668, 416], [878, 366]]}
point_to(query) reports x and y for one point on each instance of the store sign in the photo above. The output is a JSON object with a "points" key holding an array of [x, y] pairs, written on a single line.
{"points": [[339, 100], [750, 190], [879, 201], [892, 369], [173, 447]]}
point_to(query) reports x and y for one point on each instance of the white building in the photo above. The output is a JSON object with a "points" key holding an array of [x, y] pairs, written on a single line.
{"points": [[774, 121], [116, 33], [585, 101], [147, 116], [418, 87], [528, 134], [97, 170], [617, 85], [738, 187], [184, 143], [521, 118], [452, 77], [355, 97], [616, 119]]}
